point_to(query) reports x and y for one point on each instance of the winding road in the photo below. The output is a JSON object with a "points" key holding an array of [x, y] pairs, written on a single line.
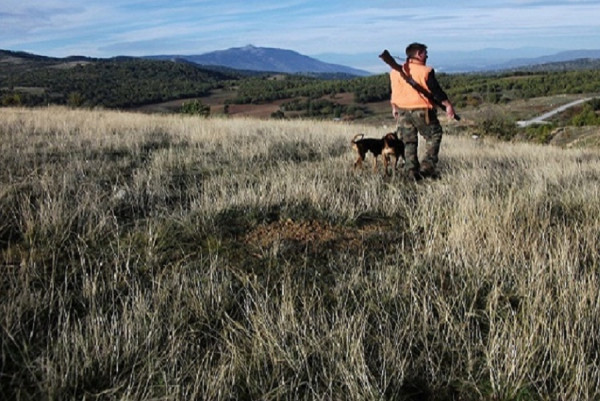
{"points": [[540, 119]]}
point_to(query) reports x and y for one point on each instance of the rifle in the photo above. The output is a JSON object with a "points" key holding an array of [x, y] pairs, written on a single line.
{"points": [[389, 60]]}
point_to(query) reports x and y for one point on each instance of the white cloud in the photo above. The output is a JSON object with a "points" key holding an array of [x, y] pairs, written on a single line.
{"points": [[136, 27]]}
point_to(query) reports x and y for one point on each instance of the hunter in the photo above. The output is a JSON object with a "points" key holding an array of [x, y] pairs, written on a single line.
{"points": [[415, 112]]}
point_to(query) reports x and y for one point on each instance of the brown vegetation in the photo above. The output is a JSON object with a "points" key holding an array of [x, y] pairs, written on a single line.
{"points": [[174, 257]]}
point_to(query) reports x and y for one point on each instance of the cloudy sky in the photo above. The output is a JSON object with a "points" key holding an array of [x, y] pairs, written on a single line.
{"points": [[321, 28]]}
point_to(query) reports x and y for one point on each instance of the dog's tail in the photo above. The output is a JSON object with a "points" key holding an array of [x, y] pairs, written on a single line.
{"points": [[356, 137]]}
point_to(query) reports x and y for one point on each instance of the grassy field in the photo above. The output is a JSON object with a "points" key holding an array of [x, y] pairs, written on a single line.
{"points": [[171, 257]]}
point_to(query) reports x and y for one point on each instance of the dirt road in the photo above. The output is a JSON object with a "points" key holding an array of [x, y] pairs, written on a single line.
{"points": [[541, 119]]}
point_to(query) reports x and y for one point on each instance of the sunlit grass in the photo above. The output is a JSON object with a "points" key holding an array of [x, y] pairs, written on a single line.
{"points": [[170, 257]]}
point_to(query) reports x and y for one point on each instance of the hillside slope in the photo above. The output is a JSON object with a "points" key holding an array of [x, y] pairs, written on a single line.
{"points": [[116, 83]]}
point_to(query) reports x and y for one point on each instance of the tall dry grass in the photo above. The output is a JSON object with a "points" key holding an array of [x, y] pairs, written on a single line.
{"points": [[169, 257]]}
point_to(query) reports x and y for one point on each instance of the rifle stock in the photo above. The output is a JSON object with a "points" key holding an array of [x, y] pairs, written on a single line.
{"points": [[389, 60]]}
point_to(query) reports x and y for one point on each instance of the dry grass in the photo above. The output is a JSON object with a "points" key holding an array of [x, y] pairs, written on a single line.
{"points": [[168, 257]]}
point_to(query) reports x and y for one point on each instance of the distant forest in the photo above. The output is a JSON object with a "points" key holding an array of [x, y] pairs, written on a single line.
{"points": [[112, 84], [464, 89], [131, 82]]}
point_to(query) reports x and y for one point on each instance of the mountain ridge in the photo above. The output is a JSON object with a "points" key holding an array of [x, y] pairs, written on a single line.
{"points": [[251, 60], [491, 59], [459, 61], [255, 58]]}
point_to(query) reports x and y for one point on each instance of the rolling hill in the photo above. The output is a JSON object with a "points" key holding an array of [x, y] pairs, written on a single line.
{"points": [[119, 82]]}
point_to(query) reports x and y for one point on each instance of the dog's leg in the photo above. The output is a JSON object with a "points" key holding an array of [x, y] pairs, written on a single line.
{"points": [[358, 163], [359, 160], [385, 163]]}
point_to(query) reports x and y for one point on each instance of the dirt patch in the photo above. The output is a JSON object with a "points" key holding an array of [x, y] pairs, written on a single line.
{"points": [[312, 234], [251, 110], [340, 98]]}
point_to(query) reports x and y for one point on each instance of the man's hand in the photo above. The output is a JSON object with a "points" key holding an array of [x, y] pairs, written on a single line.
{"points": [[449, 110]]}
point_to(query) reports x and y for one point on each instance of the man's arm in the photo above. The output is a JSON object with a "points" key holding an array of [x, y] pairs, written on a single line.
{"points": [[434, 87], [394, 111], [439, 94], [393, 87]]}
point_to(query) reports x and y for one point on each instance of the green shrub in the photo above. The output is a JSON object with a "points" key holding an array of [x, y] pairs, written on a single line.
{"points": [[588, 115], [497, 125], [540, 133], [195, 107]]}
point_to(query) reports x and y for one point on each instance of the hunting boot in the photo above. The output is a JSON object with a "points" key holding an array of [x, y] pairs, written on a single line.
{"points": [[428, 170]]}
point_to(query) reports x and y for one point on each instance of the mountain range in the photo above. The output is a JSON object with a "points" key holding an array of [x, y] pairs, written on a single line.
{"points": [[483, 60], [505, 59], [254, 58]]}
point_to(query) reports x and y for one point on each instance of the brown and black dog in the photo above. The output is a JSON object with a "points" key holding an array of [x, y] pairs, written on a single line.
{"points": [[388, 145]]}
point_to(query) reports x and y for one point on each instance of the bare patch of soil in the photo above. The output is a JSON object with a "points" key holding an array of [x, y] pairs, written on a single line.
{"points": [[251, 110], [313, 234]]}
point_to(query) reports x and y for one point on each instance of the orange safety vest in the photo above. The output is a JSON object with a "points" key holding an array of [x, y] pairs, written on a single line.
{"points": [[405, 96]]}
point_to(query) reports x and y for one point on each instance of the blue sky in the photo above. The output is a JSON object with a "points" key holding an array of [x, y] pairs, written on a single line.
{"points": [[323, 28]]}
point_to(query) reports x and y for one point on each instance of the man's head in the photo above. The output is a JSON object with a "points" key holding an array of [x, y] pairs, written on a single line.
{"points": [[417, 51]]}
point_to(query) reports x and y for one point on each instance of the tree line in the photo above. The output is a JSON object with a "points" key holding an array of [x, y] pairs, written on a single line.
{"points": [[464, 89], [129, 82]]}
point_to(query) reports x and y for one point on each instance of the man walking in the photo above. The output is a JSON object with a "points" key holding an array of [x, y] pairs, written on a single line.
{"points": [[415, 112]]}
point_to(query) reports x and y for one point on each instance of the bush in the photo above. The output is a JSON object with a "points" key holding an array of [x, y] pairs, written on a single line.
{"points": [[587, 116], [278, 114], [75, 99], [195, 107], [13, 99], [497, 125], [540, 133]]}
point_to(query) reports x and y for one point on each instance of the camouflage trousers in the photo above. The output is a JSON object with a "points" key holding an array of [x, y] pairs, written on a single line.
{"points": [[410, 124]]}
